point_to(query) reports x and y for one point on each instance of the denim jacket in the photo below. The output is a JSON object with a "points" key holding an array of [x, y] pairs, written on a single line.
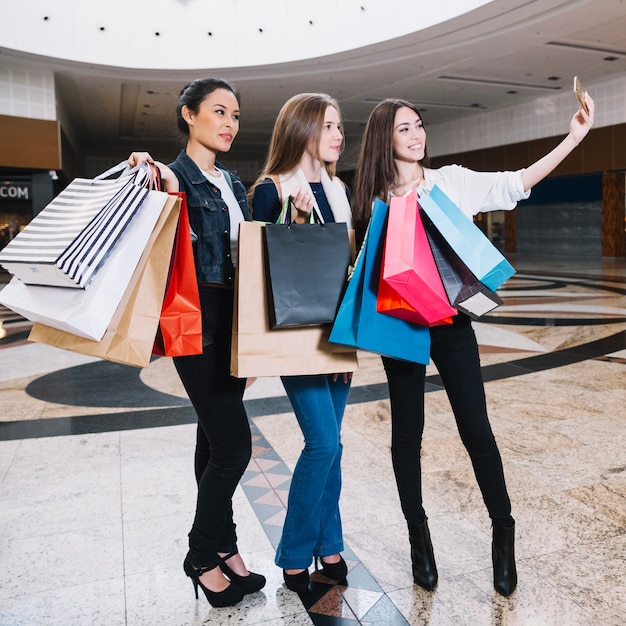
{"points": [[209, 220]]}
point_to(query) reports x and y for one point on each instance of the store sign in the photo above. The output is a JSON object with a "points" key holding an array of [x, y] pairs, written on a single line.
{"points": [[14, 191]]}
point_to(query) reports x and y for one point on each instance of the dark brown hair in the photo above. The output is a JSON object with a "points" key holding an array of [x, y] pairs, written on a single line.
{"points": [[376, 171], [193, 95]]}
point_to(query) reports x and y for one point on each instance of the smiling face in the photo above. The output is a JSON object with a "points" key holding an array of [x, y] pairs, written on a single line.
{"points": [[331, 136], [409, 136], [216, 123]]}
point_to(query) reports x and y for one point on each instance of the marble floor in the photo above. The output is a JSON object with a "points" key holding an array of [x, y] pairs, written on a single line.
{"points": [[97, 490]]}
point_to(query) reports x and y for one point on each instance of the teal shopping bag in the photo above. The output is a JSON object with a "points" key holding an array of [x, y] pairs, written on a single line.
{"points": [[482, 258], [358, 324]]}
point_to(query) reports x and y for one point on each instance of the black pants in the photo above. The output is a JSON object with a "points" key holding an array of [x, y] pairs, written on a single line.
{"points": [[454, 351], [223, 443]]}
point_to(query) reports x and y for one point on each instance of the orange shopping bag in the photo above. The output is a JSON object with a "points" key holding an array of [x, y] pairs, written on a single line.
{"points": [[180, 323]]}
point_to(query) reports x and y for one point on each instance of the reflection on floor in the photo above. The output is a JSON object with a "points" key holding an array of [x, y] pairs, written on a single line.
{"points": [[97, 489]]}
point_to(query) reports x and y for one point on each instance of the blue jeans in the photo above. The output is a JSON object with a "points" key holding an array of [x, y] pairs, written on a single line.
{"points": [[313, 524]]}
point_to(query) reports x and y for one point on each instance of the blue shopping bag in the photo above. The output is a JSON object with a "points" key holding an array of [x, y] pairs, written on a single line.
{"points": [[358, 324], [482, 258]]}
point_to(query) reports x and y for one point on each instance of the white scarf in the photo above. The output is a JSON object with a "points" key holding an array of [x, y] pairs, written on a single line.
{"points": [[334, 189]]}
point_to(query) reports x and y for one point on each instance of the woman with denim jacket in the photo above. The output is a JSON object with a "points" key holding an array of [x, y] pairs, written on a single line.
{"points": [[304, 149], [208, 115]]}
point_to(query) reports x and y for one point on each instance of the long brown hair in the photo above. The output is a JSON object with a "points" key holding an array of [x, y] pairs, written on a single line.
{"points": [[376, 170], [297, 129]]}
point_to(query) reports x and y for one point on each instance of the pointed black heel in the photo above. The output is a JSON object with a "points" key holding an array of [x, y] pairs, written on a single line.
{"points": [[297, 582], [250, 583], [422, 557], [228, 597], [503, 557], [335, 571]]}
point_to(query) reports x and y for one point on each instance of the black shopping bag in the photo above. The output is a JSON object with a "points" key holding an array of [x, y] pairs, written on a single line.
{"points": [[464, 290], [307, 270]]}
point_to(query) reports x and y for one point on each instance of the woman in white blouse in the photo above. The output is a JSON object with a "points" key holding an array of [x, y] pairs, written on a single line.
{"points": [[393, 161]]}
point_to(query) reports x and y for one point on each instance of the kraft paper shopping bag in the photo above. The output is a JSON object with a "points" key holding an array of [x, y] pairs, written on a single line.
{"points": [[257, 350]]}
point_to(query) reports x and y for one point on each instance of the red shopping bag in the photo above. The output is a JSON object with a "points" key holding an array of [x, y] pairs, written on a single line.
{"points": [[409, 270], [180, 323]]}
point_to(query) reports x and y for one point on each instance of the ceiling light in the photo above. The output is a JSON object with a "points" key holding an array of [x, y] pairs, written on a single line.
{"points": [[500, 83], [565, 44], [434, 105]]}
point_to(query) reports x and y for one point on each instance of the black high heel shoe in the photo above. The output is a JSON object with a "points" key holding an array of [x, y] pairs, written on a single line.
{"points": [[228, 597], [250, 583], [297, 582], [334, 571]]}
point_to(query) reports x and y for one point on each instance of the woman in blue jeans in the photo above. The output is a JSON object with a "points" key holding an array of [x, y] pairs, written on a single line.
{"points": [[300, 165], [394, 161]]}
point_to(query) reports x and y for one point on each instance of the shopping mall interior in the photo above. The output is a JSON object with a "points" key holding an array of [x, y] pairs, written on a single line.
{"points": [[97, 487]]}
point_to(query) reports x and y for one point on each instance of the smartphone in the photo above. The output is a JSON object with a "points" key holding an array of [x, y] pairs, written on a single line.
{"points": [[578, 91]]}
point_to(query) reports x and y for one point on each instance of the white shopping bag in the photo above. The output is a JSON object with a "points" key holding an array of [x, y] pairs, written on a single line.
{"points": [[87, 312]]}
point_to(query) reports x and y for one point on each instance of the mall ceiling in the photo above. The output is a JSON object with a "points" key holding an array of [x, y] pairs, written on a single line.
{"points": [[502, 54]]}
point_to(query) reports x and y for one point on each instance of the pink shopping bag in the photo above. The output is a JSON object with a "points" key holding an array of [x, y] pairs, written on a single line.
{"points": [[409, 270]]}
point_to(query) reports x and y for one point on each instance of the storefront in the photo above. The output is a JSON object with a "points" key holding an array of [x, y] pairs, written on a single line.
{"points": [[22, 196]]}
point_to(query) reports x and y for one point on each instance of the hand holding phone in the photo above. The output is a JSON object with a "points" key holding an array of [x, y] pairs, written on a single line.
{"points": [[579, 92]]}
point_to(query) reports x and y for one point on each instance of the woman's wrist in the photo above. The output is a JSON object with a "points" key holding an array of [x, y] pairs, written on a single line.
{"points": [[302, 216]]}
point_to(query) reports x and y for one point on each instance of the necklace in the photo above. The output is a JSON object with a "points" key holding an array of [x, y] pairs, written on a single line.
{"points": [[215, 173]]}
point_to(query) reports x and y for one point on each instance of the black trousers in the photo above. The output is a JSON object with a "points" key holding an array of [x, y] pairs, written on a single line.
{"points": [[223, 442], [454, 351]]}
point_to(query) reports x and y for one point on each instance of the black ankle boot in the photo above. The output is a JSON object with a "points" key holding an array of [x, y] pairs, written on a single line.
{"points": [[503, 556], [422, 557]]}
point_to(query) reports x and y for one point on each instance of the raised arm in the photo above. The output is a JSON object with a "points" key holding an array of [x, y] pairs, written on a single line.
{"points": [[579, 127]]}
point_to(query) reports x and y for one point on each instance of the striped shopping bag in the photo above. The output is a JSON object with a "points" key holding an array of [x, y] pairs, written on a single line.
{"points": [[68, 241]]}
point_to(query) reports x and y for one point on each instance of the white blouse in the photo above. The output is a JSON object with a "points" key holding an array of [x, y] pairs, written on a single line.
{"points": [[476, 192]]}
